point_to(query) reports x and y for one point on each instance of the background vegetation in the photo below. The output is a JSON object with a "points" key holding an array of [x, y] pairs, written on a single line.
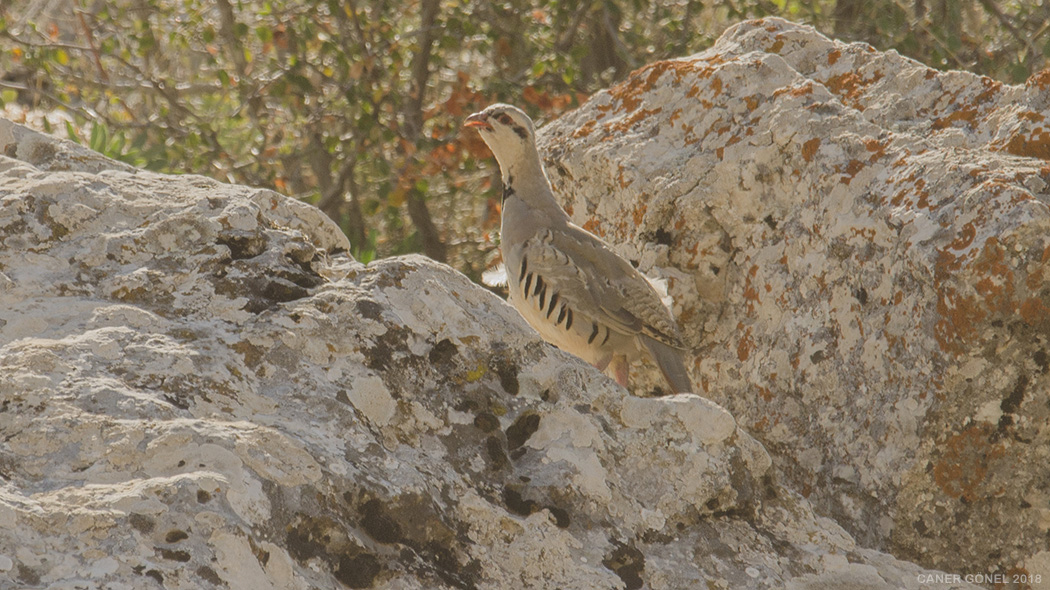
{"points": [[356, 105]]}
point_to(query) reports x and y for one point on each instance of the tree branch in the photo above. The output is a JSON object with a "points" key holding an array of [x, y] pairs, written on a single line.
{"points": [[418, 212], [91, 43]]}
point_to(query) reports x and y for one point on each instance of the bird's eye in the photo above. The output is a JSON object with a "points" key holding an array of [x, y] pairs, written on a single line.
{"points": [[504, 118]]}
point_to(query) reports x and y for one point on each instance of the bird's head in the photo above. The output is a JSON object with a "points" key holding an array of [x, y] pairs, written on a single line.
{"points": [[509, 133]]}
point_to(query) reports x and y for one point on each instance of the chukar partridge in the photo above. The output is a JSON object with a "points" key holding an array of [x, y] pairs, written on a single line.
{"points": [[566, 282]]}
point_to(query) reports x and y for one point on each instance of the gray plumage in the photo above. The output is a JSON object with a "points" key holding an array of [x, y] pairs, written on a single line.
{"points": [[567, 283]]}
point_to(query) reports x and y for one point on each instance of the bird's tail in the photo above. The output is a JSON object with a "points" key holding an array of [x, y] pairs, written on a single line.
{"points": [[669, 359]]}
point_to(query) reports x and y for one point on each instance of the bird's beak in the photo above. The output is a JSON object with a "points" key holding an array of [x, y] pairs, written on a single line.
{"points": [[478, 120]]}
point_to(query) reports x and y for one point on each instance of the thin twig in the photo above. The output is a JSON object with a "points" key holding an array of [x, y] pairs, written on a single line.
{"points": [[86, 112], [567, 37], [418, 212], [618, 43], [91, 43]]}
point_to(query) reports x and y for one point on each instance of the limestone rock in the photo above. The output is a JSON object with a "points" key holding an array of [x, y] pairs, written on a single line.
{"points": [[200, 389], [857, 246]]}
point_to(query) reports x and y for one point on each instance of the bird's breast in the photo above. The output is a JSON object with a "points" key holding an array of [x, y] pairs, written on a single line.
{"points": [[559, 320]]}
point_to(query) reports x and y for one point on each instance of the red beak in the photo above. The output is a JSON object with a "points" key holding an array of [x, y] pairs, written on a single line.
{"points": [[478, 120]]}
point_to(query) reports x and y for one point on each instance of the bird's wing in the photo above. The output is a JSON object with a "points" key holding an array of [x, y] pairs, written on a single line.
{"points": [[597, 282]]}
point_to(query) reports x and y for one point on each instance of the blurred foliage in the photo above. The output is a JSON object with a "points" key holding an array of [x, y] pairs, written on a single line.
{"points": [[356, 106]]}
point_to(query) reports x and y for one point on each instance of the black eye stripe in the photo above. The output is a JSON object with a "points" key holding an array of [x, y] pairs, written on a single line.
{"points": [[507, 120]]}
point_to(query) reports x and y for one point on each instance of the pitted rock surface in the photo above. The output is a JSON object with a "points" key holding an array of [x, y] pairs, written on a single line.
{"points": [[857, 245], [199, 388]]}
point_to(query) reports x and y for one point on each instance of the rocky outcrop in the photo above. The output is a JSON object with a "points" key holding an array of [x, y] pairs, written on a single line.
{"points": [[858, 246], [200, 389]]}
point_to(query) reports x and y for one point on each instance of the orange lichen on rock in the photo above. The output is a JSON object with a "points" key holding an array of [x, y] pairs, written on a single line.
{"points": [[626, 123], [751, 293], [716, 86], [959, 317], [674, 116], [1040, 79], [965, 113], [760, 425], [809, 149], [991, 88], [850, 86], [997, 278], [745, 345], [690, 136], [852, 168], [804, 90], [620, 177], [834, 56], [965, 237], [1035, 279], [585, 129], [629, 92], [1033, 145], [639, 214], [877, 149], [1034, 312], [594, 226], [965, 461]]}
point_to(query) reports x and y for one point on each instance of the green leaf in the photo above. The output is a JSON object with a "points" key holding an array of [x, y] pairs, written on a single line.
{"points": [[116, 145], [96, 134]]}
